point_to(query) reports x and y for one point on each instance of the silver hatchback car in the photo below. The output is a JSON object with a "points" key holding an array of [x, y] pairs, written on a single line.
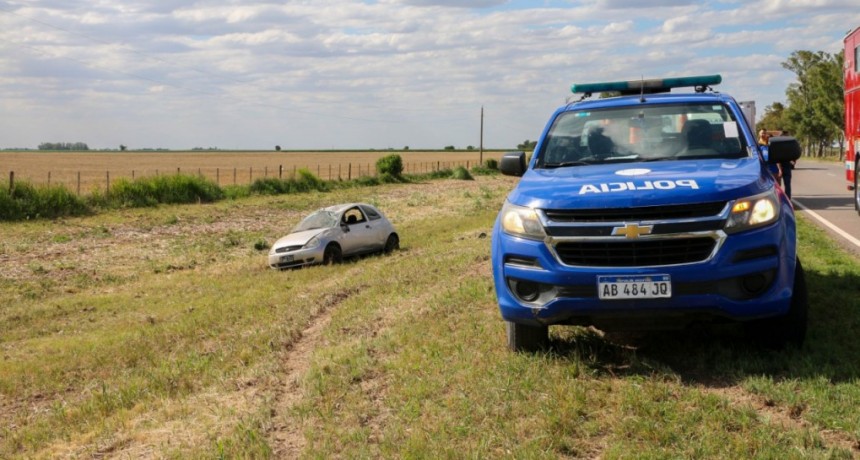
{"points": [[330, 234]]}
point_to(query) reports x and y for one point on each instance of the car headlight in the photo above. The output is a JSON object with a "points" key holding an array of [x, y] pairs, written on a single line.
{"points": [[753, 212], [521, 221], [312, 243]]}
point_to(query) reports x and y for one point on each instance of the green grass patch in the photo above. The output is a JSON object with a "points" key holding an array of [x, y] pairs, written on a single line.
{"points": [[184, 350], [152, 191], [25, 201]]}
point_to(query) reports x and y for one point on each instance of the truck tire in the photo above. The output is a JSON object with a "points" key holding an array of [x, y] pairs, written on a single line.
{"points": [[789, 329], [524, 338]]}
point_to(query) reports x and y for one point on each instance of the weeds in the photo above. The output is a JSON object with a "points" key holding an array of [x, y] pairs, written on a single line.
{"points": [[25, 201], [28, 202]]}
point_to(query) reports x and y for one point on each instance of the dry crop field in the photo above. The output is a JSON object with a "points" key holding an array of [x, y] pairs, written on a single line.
{"points": [[87, 171]]}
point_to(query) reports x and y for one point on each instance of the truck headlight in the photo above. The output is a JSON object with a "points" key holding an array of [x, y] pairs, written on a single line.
{"points": [[753, 212], [521, 221]]}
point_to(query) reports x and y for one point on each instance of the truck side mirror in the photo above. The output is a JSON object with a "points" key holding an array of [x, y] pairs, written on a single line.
{"points": [[513, 163], [782, 148]]}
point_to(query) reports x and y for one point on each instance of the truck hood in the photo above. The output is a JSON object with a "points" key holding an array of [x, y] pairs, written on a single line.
{"points": [[640, 184]]}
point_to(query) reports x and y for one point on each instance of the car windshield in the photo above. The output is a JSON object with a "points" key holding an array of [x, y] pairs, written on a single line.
{"points": [[642, 133], [319, 219]]}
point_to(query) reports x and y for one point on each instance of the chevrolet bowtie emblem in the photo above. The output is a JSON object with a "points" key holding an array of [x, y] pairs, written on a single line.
{"points": [[632, 230]]}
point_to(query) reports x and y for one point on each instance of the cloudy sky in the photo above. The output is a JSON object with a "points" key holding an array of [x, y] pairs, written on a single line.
{"points": [[339, 74]]}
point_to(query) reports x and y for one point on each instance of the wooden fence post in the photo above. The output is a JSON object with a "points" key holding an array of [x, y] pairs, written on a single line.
{"points": [[107, 181], [218, 176], [79, 182], [280, 171], [11, 181], [349, 177], [49, 178], [234, 176]]}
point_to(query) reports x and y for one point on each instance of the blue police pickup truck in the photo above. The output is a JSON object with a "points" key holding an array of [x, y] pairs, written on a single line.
{"points": [[648, 209]]}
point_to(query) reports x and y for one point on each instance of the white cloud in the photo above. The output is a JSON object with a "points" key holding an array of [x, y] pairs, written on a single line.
{"points": [[380, 74]]}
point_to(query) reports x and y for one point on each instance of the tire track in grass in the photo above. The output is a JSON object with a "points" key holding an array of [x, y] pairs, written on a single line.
{"points": [[287, 437]]}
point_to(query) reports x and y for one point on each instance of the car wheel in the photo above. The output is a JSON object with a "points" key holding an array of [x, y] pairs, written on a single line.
{"points": [[392, 244], [526, 338], [332, 255], [789, 329]]}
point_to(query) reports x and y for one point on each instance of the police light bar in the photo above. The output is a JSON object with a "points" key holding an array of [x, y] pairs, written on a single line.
{"points": [[656, 85]]}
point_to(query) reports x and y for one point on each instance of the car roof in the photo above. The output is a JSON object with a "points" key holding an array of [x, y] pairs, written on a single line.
{"points": [[338, 208], [648, 99]]}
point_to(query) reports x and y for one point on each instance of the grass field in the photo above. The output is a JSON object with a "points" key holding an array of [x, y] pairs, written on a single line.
{"points": [[98, 169], [162, 333]]}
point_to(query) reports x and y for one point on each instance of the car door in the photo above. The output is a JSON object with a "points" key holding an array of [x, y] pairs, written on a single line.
{"points": [[379, 227], [360, 237]]}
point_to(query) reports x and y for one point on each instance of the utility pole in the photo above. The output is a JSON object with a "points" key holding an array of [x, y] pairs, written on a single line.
{"points": [[481, 145]]}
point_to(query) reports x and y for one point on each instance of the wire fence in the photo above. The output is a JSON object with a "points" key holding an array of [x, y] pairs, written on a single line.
{"points": [[84, 181]]}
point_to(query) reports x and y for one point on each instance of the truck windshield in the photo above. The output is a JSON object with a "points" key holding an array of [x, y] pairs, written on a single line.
{"points": [[642, 133]]}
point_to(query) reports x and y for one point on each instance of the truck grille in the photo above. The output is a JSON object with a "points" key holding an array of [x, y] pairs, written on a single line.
{"points": [[646, 213], [635, 253]]}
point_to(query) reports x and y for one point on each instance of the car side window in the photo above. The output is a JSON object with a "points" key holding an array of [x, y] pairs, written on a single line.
{"points": [[353, 216], [371, 213]]}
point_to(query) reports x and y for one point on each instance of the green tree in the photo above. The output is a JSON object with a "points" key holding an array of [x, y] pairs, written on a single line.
{"points": [[815, 108], [527, 145], [773, 118], [829, 104]]}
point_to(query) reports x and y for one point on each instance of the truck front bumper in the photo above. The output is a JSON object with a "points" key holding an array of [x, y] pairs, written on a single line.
{"points": [[749, 277]]}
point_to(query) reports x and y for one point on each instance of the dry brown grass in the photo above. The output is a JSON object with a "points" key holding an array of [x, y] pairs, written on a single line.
{"points": [[97, 169]]}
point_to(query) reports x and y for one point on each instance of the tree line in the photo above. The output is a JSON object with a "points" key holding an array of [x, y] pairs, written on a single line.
{"points": [[814, 111], [63, 146]]}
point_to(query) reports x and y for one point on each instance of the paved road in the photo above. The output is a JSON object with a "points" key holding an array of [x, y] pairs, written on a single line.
{"points": [[819, 192]]}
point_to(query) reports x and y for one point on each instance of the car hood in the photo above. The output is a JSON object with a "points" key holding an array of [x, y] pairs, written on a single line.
{"points": [[298, 238], [641, 184]]}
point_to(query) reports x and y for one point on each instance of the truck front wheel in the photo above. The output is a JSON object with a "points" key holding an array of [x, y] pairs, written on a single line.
{"points": [[526, 338], [789, 329]]}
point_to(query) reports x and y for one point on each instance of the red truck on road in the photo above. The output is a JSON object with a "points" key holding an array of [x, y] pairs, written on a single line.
{"points": [[852, 111]]}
